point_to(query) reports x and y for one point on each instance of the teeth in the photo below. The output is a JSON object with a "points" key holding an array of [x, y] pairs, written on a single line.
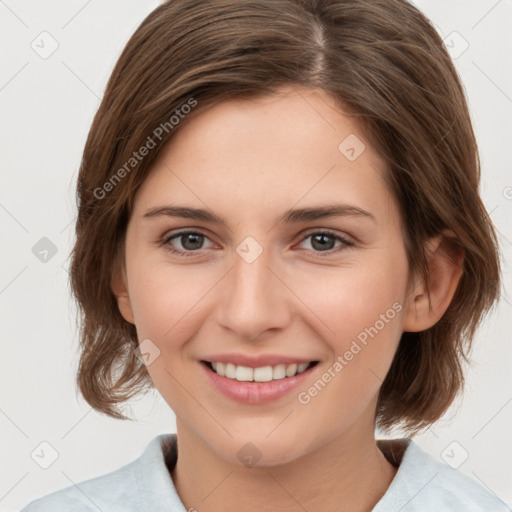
{"points": [[301, 367], [230, 371], [291, 370], [279, 371], [243, 373], [261, 374], [220, 368]]}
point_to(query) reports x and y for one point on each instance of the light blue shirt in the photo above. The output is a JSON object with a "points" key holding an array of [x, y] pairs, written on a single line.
{"points": [[145, 484]]}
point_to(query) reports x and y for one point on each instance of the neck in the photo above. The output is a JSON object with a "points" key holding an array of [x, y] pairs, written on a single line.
{"points": [[347, 473]]}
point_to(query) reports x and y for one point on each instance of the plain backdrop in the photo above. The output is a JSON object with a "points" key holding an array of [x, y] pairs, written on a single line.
{"points": [[48, 102]]}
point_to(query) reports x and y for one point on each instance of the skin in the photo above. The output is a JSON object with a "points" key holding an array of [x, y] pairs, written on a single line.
{"points": [[249, 162]]}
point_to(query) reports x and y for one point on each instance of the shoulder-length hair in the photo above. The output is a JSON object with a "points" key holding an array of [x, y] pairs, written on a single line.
{"points": [[386, 65]]}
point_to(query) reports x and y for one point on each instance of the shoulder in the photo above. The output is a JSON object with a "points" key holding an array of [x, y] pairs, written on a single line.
{"points": [[122, 490], [423, 483], [117, 486]]}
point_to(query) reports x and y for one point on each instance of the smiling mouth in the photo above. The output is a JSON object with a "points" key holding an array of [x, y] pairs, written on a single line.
{"points": [[260, 374]]}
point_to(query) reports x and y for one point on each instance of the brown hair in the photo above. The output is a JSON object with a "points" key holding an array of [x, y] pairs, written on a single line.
{"points": [[384, 62]]}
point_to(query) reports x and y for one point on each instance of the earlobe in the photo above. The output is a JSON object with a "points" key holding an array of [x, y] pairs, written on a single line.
{"points": [[445, 263], [120, 290]]}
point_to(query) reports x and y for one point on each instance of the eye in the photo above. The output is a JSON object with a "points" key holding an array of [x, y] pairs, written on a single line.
{"points": [[190, 241], [324, 242]]}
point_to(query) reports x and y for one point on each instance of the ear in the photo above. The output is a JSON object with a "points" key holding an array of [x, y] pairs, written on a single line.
{"points": [[445, 262], [119, 286]]}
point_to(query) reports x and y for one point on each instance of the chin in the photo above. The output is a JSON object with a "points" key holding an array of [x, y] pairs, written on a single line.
{"points": [[260, 451]]}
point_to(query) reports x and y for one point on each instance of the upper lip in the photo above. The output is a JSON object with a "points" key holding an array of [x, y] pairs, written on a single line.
{"points": [[256, 361]]}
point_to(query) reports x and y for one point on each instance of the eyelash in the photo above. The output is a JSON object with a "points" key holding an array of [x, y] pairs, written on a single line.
{"points": [[317, 254]]}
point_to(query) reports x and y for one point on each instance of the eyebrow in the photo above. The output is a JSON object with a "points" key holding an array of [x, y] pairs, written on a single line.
{"points": [[290, 216]]}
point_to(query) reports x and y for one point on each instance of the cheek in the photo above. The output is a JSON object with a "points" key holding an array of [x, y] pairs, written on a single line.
{"points": [[168, 305], [359, 308], [363, 310], [351, 298], [166, 298]]}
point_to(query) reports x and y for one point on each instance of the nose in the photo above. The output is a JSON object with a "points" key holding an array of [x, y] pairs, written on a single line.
{"points": [[255, 298]]}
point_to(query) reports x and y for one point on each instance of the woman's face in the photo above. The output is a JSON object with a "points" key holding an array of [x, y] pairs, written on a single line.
{"points": [[268, 286]]}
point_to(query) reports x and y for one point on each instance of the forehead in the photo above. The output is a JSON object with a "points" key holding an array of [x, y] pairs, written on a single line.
{"points": [[296, 146]]}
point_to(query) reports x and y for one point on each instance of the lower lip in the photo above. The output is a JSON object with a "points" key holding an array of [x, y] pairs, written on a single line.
{"points": [[256, 392]]}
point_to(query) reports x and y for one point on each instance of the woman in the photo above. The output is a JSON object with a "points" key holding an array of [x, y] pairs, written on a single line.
{"points": [[280, 230]]}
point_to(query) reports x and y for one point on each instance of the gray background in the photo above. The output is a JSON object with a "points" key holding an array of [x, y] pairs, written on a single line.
{"points": [[48, 102]]}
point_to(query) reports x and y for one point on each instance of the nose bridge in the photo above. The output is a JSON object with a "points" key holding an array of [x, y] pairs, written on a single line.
{"points": [[254, 298]]}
